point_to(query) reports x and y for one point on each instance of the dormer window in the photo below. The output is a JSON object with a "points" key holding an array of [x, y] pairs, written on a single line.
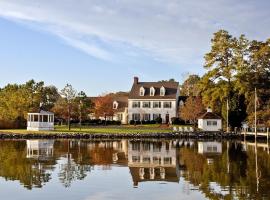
{"points": [[162, 91], [142, 91], [152, 91], [115, 105]]}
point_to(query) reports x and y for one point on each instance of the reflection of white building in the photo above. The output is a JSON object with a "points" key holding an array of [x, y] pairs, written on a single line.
{"points": [[42, 121], [209, 147], [39, 148], [156, 161]]}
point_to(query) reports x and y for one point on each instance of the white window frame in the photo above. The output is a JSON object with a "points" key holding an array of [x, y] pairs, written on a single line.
{"points": [[155, 103], [162, 91], [167, 102], [152, 91], [144, 103], [136, 104], [142, 91]]}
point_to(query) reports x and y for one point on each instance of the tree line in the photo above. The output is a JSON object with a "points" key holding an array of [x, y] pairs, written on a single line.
{"points": [[235, 68]]}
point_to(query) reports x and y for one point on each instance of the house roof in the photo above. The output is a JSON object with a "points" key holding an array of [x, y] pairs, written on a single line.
{"points": [[170, 175], [122, 103], [171, 88], [209, 115]]}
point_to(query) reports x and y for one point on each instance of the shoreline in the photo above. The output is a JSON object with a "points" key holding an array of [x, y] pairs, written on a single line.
{"points": [[81, 135]]}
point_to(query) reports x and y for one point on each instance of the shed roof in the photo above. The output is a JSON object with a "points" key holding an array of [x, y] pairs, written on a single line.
{"points": [[209, 115]]}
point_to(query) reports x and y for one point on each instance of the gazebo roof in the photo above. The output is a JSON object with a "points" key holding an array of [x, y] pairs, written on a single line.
{"points": [[43, 112]]}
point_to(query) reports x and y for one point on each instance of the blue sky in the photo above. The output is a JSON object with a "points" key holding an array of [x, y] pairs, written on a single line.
{"points": [[98, 46]]}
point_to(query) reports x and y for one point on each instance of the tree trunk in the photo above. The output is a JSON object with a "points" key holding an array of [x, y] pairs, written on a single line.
{"points": [[69, 117]]}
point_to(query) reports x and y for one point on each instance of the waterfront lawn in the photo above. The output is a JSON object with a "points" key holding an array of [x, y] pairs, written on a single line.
{"points": [[128, 129]]}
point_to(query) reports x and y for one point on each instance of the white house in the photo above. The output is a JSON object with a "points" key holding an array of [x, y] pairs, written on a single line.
{"points": [[42, 121], [151, 100], [120, 107], [210, 121]]}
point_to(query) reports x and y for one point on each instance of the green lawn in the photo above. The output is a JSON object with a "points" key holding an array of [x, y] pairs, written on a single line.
{"points": [[108, 129]]}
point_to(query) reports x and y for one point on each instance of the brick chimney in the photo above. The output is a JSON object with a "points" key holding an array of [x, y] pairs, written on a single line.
{"points": [[136, 80]]}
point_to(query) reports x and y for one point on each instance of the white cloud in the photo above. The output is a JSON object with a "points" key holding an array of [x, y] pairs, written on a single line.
{"points": [[176, 31]]}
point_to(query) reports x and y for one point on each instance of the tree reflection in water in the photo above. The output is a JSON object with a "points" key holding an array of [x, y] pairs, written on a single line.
{"points": [[220, 170]]}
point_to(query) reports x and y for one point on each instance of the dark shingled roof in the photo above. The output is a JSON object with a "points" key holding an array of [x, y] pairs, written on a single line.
{"points": [[171, 88], [209, 115], [122, 103]]}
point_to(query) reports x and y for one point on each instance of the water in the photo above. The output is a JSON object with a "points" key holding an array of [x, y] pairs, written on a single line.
{"points": [[122, 169]]}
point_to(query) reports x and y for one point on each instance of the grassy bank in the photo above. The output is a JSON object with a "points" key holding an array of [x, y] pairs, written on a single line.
{"points": [[99, 129]]}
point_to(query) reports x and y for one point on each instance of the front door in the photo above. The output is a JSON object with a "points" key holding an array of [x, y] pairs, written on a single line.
{"points": [[167, 118]]}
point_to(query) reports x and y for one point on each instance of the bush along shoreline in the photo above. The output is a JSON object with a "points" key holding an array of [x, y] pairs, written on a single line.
{"points": [[75, 135]]}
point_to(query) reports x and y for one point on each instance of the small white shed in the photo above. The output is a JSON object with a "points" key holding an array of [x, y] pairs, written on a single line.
{"points": [[42, 121], [210, 121]]}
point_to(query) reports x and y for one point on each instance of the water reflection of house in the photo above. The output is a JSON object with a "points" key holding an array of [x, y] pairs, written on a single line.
{"points": [[210, 149], [117, 154], [41, 149], [153, 161]]}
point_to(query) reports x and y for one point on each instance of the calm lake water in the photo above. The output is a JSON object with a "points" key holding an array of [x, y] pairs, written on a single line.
{"points": [[129, 169]]}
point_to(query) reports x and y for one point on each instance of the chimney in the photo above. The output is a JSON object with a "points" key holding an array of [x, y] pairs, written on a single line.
{"points": [[136, 80], [209, 109]]}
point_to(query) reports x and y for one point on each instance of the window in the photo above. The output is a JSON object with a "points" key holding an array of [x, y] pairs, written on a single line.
{"points": [[167, 160], [155, 116], [162, 91], [136, 116], [136, 159], [120, 117], [167, 104], [136, 104], [152, 91], [156, 160], [142, 90], [146, 159], [211, 123], [146, 104], [156, 104], [146, 146], [45, 118], [157, 147], [136, 146], [146, 117], [115, 105], [35, 118]]}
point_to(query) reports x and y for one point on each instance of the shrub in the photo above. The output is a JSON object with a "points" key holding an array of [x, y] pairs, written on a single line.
{"points": [[177, 121], [158, 120]]}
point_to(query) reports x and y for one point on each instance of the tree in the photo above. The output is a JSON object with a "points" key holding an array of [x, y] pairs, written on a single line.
{"points": [[227, 57], [17, 100], [191, 109], [190, 86], [103, 106], [69, 94]]}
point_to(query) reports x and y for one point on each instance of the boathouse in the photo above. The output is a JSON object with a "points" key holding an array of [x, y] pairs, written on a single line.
{"points": [[210, 121], [42, 121]]}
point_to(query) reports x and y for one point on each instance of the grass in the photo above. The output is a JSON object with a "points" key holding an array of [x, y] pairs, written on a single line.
{"points": [[128, 129]]}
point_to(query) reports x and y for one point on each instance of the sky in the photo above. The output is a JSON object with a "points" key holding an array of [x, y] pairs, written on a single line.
{"points": [[98, 46]]}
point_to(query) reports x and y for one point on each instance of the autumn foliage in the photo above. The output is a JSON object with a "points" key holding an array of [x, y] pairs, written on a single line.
{"points": [[103, 106], [191, 109]]}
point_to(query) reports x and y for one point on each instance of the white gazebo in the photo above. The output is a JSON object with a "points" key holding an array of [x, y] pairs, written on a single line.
{"points": [[42, 121]]}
